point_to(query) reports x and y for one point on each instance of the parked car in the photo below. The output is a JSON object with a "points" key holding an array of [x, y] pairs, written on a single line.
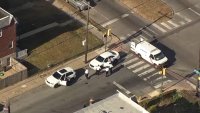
{"points": [[103, 58], [61, 77], [79, 4]]}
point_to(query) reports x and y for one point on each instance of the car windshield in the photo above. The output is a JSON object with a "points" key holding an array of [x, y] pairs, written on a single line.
{"points": [[100, 59], [159, 56], [56, 75]]}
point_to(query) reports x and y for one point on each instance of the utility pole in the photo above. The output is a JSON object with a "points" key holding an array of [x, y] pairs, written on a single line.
{"points": [[105, 36], [86, 38], [162, 73], [197, 71]]}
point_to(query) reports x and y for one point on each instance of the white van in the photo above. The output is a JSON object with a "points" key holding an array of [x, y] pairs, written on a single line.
{"points": [[148, 52]]}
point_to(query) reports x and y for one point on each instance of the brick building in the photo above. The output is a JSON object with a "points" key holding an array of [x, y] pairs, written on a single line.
{"points": [[7, 39]]}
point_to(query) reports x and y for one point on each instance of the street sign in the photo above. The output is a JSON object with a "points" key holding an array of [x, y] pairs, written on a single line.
{"points": [[197, 71]]}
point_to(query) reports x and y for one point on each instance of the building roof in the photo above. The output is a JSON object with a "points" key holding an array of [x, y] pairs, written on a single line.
{"points": [[117, 103], [5, 18]]}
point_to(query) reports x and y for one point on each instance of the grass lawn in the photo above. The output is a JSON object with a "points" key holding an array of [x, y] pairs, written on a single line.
{"points": [[150, 9], [54, 45], [47, 50]]}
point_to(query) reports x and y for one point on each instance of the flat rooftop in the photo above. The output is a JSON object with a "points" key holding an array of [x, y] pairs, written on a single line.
{"points": [[113, 104]]}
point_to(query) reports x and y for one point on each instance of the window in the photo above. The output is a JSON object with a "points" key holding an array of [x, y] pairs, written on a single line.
{"points": [[11, 45], [1, 34]]}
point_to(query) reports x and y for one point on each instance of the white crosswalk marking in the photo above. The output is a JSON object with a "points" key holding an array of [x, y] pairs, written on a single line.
{"points": [[130, 61], [164, 83], [152, 31], [194, 11], [141, 68], [167, 26], [156, 73], [185, 18], [182, 23], [160, 77], [146, 72], [174, 24], [129, 55], [158, 27], [136, 64]]}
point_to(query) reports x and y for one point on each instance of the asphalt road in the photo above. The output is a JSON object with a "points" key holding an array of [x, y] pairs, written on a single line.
{"points": [[69, 99], [181, 49], [112, 14], [176, 35]]}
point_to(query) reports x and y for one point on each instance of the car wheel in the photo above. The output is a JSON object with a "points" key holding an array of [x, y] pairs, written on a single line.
{"points": [[55, 85], [115, 62]]}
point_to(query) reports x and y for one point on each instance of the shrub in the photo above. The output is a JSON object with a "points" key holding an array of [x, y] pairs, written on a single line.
{"points": [[152, 108]]}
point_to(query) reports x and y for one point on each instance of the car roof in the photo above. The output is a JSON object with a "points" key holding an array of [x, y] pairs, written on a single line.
{"points": [[106, 54], [65, 70]]}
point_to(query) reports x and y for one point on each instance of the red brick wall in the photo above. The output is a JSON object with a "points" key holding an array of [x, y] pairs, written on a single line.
{"points": [[8, 35]]}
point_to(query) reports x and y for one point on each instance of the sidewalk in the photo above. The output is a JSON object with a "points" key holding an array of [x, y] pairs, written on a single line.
{"points": [[38, 80]]}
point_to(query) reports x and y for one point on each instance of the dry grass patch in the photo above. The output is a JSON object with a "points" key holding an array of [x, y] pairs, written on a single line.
{"points": [[151, 10]]}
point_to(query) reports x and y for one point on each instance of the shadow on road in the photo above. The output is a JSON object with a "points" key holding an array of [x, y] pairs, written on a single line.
{"points": [[169, 53], [1, 107], [79, 73]]}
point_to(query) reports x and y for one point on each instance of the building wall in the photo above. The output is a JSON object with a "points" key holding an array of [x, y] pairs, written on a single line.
{"points": [[8, 39], [7, 43]]}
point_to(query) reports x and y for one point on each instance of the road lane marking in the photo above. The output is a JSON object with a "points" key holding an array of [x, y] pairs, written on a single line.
{"points": [[159, 28], [129, 55], [151, 30], [156, 73], [146, 72], [194, 11], [141, 68], [174, 24], [182, 23], [136, 64], [130, 61], [165, 25], [184, 17], [121, 87], [114, 20], [164, 83]]}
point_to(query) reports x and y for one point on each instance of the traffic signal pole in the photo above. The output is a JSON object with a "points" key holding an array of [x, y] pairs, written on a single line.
{"points": [[86, 38], [198, 78]]}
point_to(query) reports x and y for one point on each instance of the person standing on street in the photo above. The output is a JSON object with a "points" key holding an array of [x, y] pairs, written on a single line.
{"points": [[110, 68], [98, 70], [107, 70], [87, 73]]}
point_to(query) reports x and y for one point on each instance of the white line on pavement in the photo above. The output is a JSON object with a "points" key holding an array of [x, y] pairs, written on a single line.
{"points": [[146, 72], [114, 20], [130, 61], [174, 24], [165, 25], [182, 23], [141, 68], [194, 11], [159, 28], [129, 55], [160, 84], [184, 17], [136, 64]]}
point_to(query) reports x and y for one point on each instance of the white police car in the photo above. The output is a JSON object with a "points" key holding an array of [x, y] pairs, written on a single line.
{"points": [[103, 59], [61, 77]]}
